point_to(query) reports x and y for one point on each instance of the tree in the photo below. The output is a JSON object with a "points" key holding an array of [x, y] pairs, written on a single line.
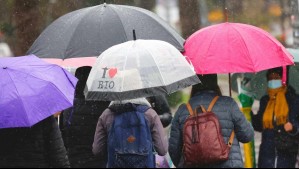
{"points": [[27, 21], [189, 17], [63, 7], [148, 4], [123, 2], [6, 18], [235, 6]]}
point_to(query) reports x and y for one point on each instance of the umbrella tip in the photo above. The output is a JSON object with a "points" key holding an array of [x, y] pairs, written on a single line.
{"points": [[134, 34]]}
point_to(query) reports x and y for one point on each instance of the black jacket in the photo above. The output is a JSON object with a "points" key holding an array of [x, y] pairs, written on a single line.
{"points": [[161, 106], [78, 129], [268, 135], [38, 147], [293, 102]]}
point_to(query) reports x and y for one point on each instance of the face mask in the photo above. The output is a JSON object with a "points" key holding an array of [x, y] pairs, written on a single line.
{"points": [[275, 84]]}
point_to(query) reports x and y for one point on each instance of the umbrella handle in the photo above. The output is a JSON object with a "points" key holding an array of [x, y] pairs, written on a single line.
{"points": [[134, 35], [230, 84], [284, 75]]}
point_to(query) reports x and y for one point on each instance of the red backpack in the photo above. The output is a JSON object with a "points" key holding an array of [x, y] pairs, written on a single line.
{"points": [[203, 141]]}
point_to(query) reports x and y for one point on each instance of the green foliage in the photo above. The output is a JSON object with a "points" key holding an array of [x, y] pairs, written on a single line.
{"points": [[214, 4], [177, 98], [94, 2], [7, 29]]}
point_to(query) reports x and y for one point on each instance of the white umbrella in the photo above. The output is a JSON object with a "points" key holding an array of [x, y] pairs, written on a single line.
{"points": [[140, 68], [5, 50]]}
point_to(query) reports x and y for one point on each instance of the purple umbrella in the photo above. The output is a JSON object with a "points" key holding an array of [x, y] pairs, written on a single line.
{"points": [[32, 90]]}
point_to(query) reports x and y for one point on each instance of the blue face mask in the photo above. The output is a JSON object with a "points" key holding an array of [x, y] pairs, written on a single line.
{"points": [[275, 84]]}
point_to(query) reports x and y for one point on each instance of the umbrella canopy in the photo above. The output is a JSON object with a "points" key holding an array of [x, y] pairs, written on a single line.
{"points": [[295, 54], [140, 68], [256, 85], [87, 32], [235, 48], [32, 90]]}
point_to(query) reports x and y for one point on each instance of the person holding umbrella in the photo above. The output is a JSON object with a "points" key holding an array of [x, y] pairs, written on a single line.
{"points": [[32, 91], [230, 118], [106, 124], [129, 129], [78, 125], [277, 120], [40, 146]]}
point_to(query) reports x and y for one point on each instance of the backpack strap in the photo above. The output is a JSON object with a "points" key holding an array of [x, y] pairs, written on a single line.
{"points": [[210, 106], [231, 139], [232, 136], [203, 109], [190, 109], [213, 103]]}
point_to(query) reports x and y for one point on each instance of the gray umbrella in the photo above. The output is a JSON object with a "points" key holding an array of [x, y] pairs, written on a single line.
{"points": [[90, 31]]}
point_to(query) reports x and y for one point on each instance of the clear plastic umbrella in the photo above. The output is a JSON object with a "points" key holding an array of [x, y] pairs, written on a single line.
{"points": [[140, 68]]}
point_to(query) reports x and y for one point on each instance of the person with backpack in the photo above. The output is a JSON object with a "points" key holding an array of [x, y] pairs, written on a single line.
{"points": [[277, 120], [128, 133], [206, 132]]}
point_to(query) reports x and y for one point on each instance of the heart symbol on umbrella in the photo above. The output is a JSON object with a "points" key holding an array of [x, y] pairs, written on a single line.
{"points": [[112, 72]]}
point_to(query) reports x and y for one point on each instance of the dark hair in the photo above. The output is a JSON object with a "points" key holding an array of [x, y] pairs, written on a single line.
{"points": [[208, 83], [279, 71], [82, 74]]}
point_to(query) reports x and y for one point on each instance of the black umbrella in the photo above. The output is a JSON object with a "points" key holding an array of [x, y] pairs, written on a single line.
{"points": [[87, 32]]}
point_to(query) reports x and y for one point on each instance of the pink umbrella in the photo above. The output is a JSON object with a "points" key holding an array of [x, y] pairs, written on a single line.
{"points": [[235, 48]]}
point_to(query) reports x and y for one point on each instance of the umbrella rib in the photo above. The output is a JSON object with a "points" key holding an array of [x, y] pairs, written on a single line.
{"points": [[245, 46], [210, 46], [43, 80], [157, 65], [66, 49], [19, 96], [68, 78], [214, 35], [126, 61], [120, 21], [160, 23]]}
